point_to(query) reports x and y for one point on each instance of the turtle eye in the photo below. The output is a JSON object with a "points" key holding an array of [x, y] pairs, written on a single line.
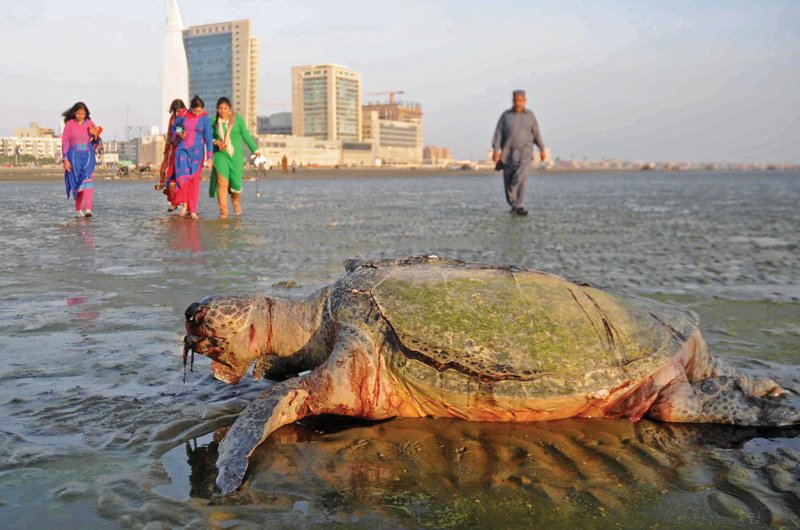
{"points": [[196, 312]]}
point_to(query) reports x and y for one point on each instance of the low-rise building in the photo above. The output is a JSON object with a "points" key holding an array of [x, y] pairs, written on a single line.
{"points": [[437, 156], [150, 150], [358, 154], [33, 141], [278, 123], [395, 110], [47, 148], [109, 159], [34, 130], [395, 142], [395, 129], [127, 150], [302, 150]]}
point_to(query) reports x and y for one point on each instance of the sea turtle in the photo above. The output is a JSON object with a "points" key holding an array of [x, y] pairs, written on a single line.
{"points": [[427, 336]]}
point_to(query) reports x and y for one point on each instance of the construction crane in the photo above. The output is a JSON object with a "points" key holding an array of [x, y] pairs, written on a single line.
{"points": [[390, 93]]}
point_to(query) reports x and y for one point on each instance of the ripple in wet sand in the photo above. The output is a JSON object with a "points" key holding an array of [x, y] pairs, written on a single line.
{"points": [[448, 473]]}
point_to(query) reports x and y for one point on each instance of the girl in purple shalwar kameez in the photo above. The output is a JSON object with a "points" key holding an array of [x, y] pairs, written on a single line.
{"points": [[194, 151], [78, 142]]}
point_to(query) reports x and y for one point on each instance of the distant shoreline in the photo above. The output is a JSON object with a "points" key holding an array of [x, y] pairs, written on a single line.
{"points": [[54, 174], [39, 174]]}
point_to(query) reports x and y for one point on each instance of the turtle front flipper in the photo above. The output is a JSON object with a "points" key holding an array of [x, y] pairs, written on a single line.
{"points": [[352, 382], [279, 405], [722, 399]]}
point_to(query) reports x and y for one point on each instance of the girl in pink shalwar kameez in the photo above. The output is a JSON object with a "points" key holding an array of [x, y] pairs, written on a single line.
{"points": [[78, 142], [194, 151]]}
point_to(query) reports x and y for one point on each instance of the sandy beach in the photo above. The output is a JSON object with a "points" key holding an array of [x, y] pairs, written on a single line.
{"points": [[100, 429]]}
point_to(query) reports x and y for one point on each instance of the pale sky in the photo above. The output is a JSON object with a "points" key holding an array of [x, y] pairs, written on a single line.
{"points": [[695, 81]]}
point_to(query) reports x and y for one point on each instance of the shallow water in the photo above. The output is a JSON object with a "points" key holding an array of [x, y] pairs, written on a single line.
{"points": [[95, 416]]}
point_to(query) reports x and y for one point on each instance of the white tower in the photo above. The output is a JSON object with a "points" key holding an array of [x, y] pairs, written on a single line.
{"points": [[175, 76]]}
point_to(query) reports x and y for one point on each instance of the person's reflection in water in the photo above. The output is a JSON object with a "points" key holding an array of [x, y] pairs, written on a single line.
{"points": [[84, 235], [184, 236], [226, 233], [82, 313], [203, 468]]}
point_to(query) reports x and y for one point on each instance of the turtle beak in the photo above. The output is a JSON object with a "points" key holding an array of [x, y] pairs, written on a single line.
{"points": [[211, 347], [197, 339], [216, 329]]}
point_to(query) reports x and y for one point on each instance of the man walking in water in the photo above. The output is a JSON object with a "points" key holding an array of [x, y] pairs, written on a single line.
{"points": [[512, 146]]}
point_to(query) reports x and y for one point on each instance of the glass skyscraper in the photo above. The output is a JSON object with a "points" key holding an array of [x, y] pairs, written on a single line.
{"points": [[223, 61]]}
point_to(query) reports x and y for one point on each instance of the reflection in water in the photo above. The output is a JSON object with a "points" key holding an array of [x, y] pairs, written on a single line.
{"points": [[184, 234], [84, 231], [78, 301], [202, 461], [450, 473]]}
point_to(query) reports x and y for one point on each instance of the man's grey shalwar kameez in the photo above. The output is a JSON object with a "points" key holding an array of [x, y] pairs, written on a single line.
{"points": [[514, 137]]}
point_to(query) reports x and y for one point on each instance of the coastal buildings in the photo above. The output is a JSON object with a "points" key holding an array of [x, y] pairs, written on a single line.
{"points": [[44, 148], [326, 102], [395, 130], [303, 150], [394, 142], [33, 141], [396, 110], [175, 73], [125, 150], [150, 150], [330, 127], [278, 123], [223, 61], [437, 156], [327, 125], [34, 130]]}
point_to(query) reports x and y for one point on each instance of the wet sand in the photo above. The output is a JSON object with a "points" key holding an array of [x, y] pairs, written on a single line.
{"points": [[452, 474], [96, 417]]}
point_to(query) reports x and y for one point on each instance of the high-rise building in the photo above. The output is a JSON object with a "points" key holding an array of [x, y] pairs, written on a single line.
{"points": [[175, 75], [223, 61], [326, 102]]}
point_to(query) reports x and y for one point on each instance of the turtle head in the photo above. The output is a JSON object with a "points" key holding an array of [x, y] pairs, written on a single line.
{"points": [[230, 330]]}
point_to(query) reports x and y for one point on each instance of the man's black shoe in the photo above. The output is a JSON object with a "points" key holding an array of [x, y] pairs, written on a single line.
{"points": [[522, 212]]}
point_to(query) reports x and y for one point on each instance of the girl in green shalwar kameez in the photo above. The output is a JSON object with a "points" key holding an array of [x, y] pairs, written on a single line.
{"points": [[230, 135]]}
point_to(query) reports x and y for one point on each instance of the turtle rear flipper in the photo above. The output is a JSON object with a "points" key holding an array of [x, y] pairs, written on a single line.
{"points": [[723, 400]]}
